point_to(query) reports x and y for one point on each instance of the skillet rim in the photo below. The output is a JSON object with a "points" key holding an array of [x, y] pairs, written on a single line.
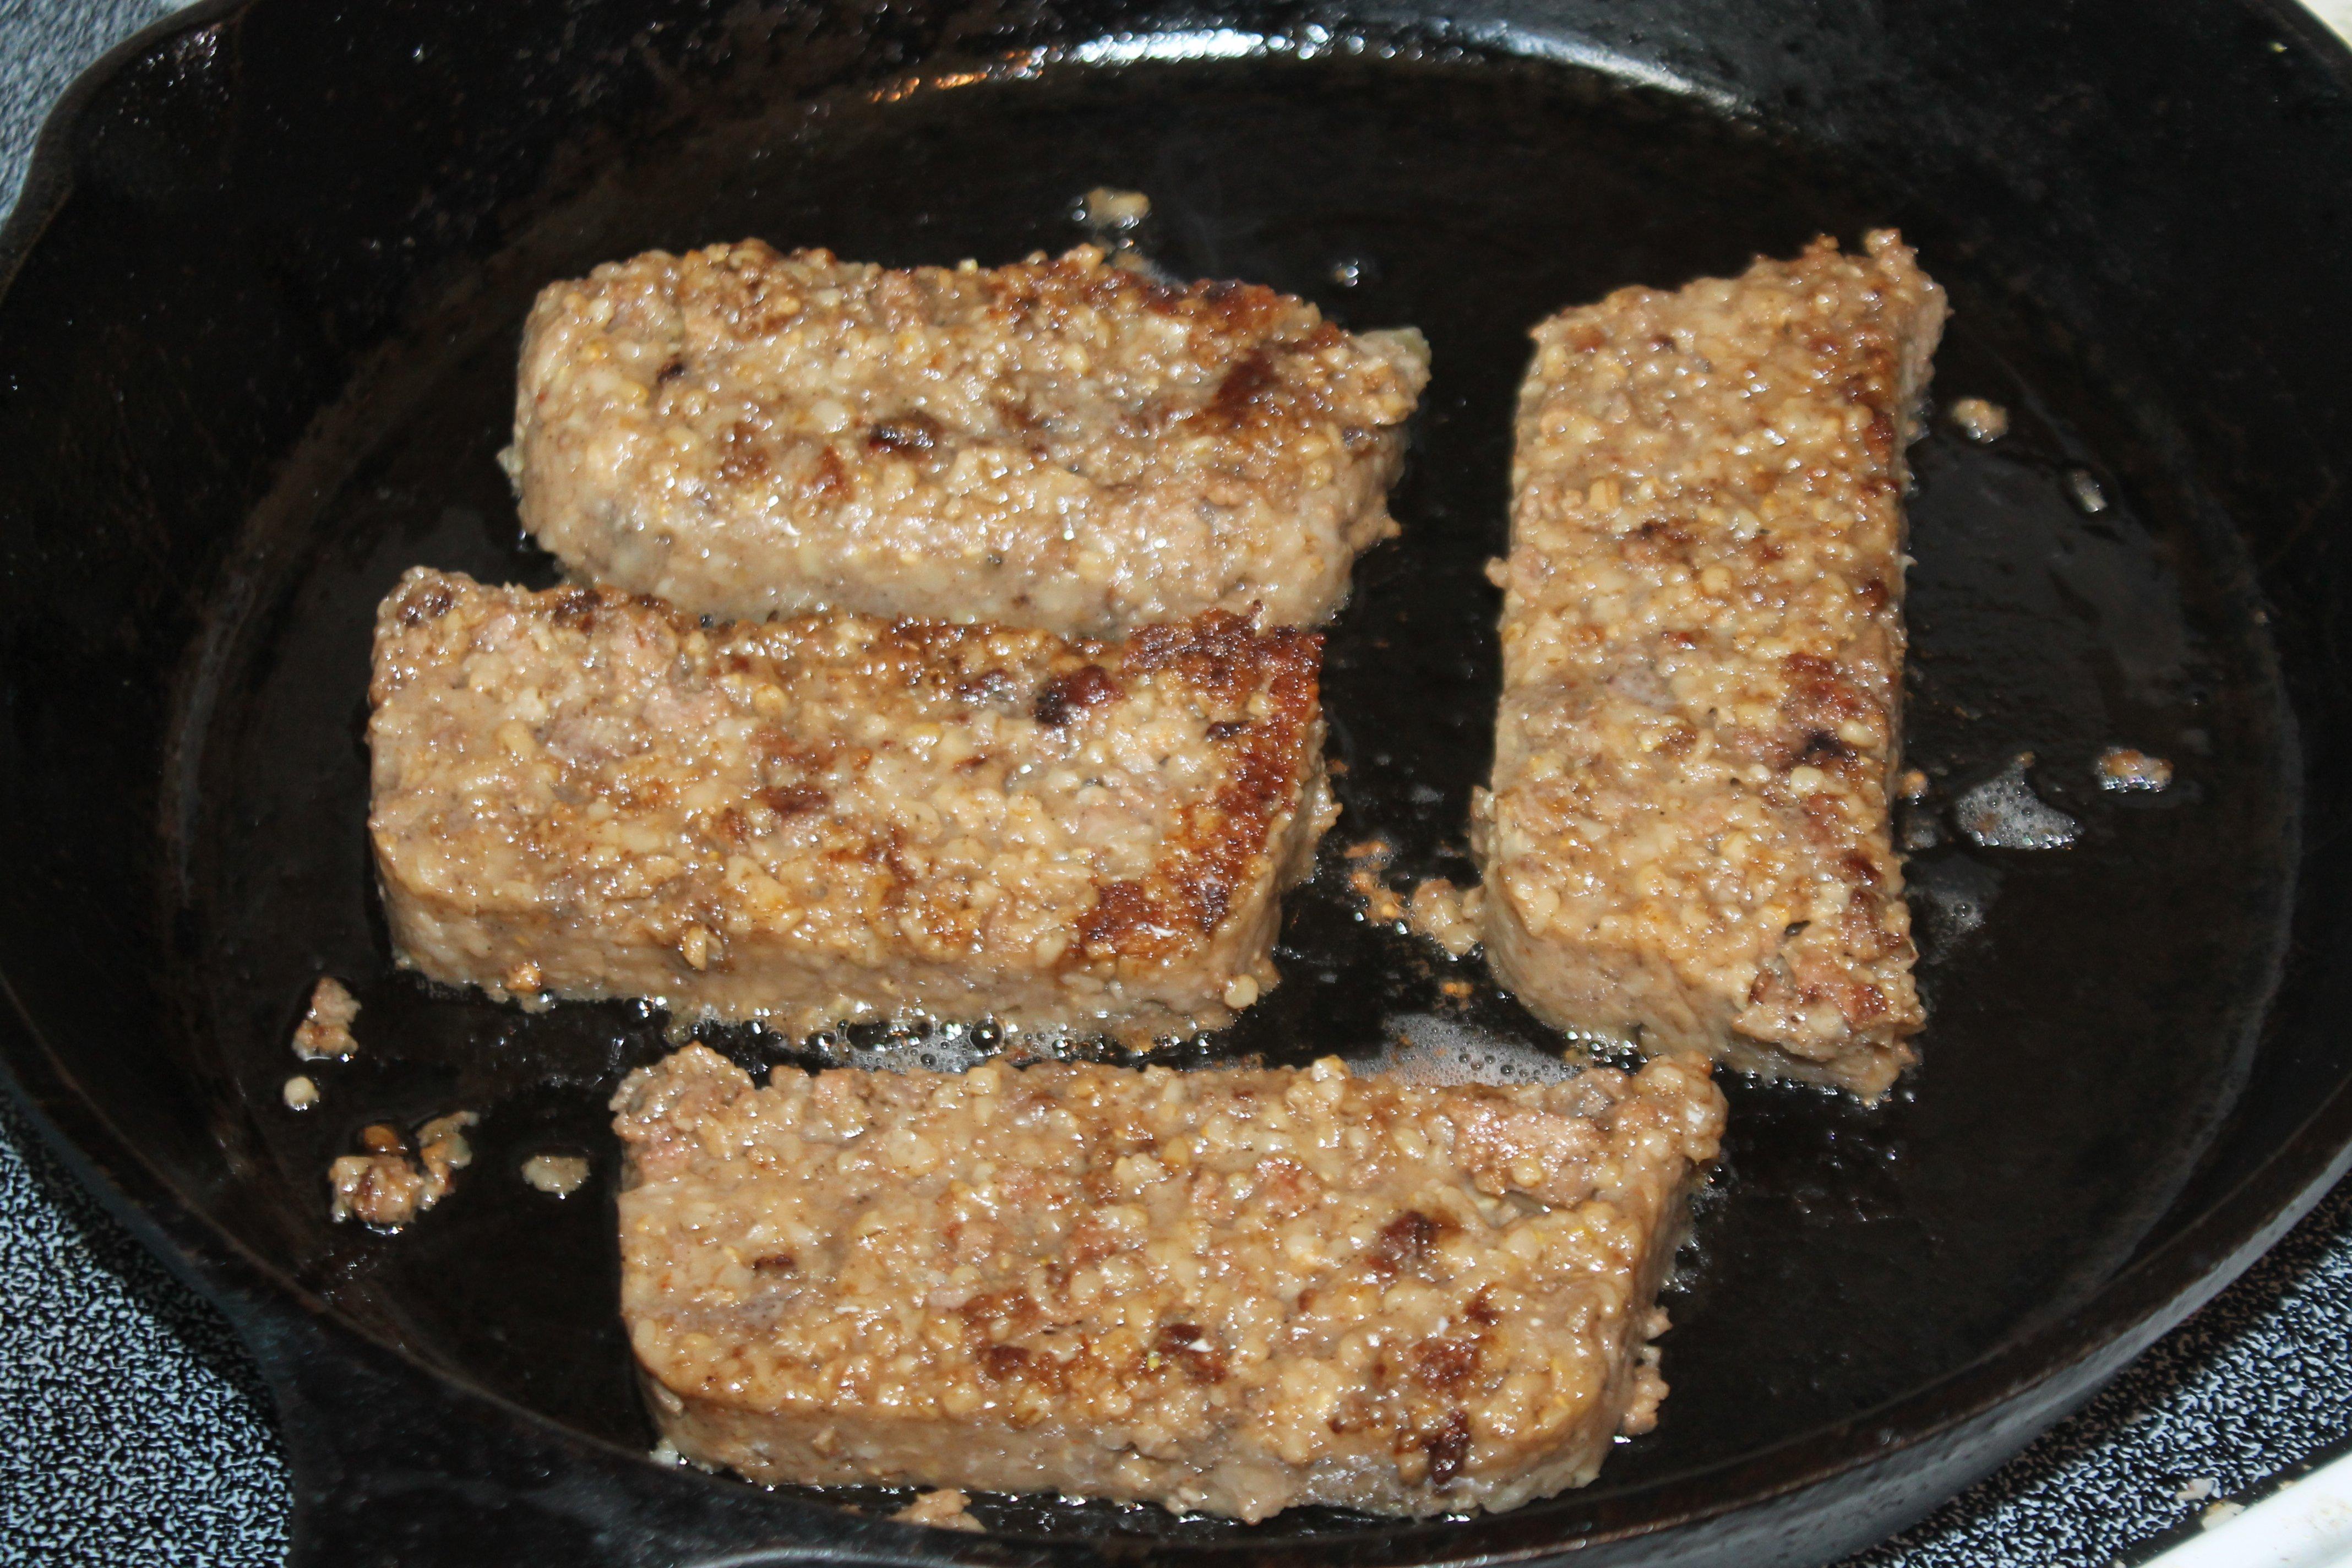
{"points": [[2146, 1298]]}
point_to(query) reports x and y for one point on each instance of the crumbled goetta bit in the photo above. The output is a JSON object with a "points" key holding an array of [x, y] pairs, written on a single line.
{"points": [[1068, 444], [441, 1144], [382, 1187], [1981, 419], [325, 1031], [300, 1093], [382, 1190], [385, 1187], [1228, 1292], [1447, 915], [1106, 208], [946, 1509], [2123, 768], [837, 817], [559, 1175], [1687, 840]]}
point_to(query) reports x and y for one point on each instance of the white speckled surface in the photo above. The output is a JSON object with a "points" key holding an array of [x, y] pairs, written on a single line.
{"points": [[138, 1431], [2305, 1523]]}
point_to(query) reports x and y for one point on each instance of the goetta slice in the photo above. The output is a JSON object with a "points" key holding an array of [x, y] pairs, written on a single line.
{"points": [[1687, 839], [1225, 1292], [578, 794], [1066, 444]]}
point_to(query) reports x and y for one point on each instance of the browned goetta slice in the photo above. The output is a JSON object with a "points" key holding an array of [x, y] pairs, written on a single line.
{"points": [[1065, 444], [582, 794], [1227, 1291], [1687, 839]]}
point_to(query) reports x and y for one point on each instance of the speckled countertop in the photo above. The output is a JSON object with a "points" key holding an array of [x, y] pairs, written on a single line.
{"points": [[138, 1430]]}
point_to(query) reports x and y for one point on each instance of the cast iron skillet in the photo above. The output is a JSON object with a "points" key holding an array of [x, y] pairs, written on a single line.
{"points": [[254, 351]]}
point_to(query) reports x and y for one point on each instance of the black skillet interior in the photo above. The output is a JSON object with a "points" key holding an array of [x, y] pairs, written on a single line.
{"points": [[253, 371]]}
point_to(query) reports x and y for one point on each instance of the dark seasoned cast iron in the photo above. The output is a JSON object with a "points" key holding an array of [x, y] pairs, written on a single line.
{"points": [[256, 356]]}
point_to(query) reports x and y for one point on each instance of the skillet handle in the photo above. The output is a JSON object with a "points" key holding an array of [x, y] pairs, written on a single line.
{"points": [[393, 1467]]}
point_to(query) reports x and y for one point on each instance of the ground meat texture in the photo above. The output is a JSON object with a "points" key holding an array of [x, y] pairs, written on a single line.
{"points": [[947, 1509], [1687, 839], [1065, 444], [1228, 1292], [558, 1175], [386, 1188], [836, 818], [325, 1031], [1446, 915]]}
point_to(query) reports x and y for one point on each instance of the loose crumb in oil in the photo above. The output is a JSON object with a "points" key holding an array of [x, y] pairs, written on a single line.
{"points": [[442, 1143], [558, 1175], [385, 1187], [1979, 418], [1447, 915], [300, 1093], [1109, 210], [382, 1187], [325, 1031], [946, 1509], [2123, 768]]}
